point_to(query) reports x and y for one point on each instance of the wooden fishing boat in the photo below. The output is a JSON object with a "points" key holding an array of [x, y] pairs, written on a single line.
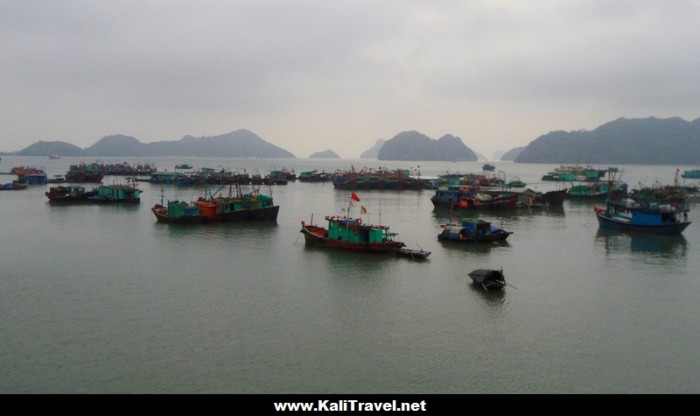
{"points": [[348, 233], [69, 194], [489, 279], [553, 198], [474, 197], [212, 207], [351, 234], [84, 173], [121, 193]]}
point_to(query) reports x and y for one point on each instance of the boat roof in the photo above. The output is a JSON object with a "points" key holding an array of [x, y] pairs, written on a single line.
{"points": [[482, 272]]}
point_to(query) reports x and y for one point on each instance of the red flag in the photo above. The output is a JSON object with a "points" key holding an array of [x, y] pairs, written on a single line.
{"points": [[364, 210], [355, 197]]}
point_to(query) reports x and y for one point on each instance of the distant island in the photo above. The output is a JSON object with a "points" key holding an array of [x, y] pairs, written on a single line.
{"points": [[415, 146], [239, 143], [512, 154], [671, 141], [326, 154], [373, 153], [651, 140]]}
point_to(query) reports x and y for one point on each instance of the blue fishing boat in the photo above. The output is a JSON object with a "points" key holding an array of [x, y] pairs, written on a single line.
{"points": [[471, 230], [659, 216], [656, 210], [31, 175], [14, 186]]}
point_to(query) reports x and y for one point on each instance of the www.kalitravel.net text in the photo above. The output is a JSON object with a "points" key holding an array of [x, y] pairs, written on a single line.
{"points": [[350, 406]]}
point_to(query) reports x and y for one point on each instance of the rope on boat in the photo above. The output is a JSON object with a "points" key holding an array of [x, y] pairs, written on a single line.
{"points": [[296, 241]]}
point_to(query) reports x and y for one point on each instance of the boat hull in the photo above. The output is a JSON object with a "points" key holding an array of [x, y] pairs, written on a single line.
{"points": [[254, 215], [554, 198], [468, 238], [615, 224], [99, 200]]}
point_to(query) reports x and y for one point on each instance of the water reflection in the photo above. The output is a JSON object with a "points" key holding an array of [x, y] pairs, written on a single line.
{"points": [[348, 262], [475, 248], [492, 297], [664, 247], [240, 230], [443, 215]]}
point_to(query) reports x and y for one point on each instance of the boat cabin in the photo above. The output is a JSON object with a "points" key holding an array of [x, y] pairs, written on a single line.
{"points": [[352, 230]]}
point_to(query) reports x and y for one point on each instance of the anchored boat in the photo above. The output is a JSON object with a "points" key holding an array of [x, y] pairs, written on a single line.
{"points": [[489, 279], [471, 230], [212, 207], [348, 233]]}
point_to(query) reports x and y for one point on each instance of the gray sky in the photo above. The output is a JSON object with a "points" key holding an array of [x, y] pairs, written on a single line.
{"points": [[332, 74]]}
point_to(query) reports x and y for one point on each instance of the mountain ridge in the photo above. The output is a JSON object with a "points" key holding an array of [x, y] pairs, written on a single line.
{"points": [[415, 146], [648, 140], [238, 143]]}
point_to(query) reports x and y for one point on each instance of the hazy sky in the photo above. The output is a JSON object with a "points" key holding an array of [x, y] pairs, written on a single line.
{"points": [[332, 74]]}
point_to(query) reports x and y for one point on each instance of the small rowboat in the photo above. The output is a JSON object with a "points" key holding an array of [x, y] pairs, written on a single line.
{"points": [[490, 279], [415, 254]]}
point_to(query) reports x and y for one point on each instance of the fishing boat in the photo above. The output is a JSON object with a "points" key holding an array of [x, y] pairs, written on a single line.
{"points": [[347, 233], [691, 174], [668, 215], [314, 176], [84, 173], [489, 279], [380, 178], [30, 174], [473, 197], [516, 183], [488, 167], [69, 194], [213, 207], [122, 193], [656, 210], [553, 198], [471, 230], [14, 186], [576, 173], [595, 190]]}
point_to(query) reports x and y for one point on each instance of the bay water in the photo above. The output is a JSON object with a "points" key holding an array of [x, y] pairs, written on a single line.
{"points": [[103, 299]]}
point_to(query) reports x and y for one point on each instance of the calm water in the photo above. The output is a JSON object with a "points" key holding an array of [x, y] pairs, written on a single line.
{"points": [[102, 299]]}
